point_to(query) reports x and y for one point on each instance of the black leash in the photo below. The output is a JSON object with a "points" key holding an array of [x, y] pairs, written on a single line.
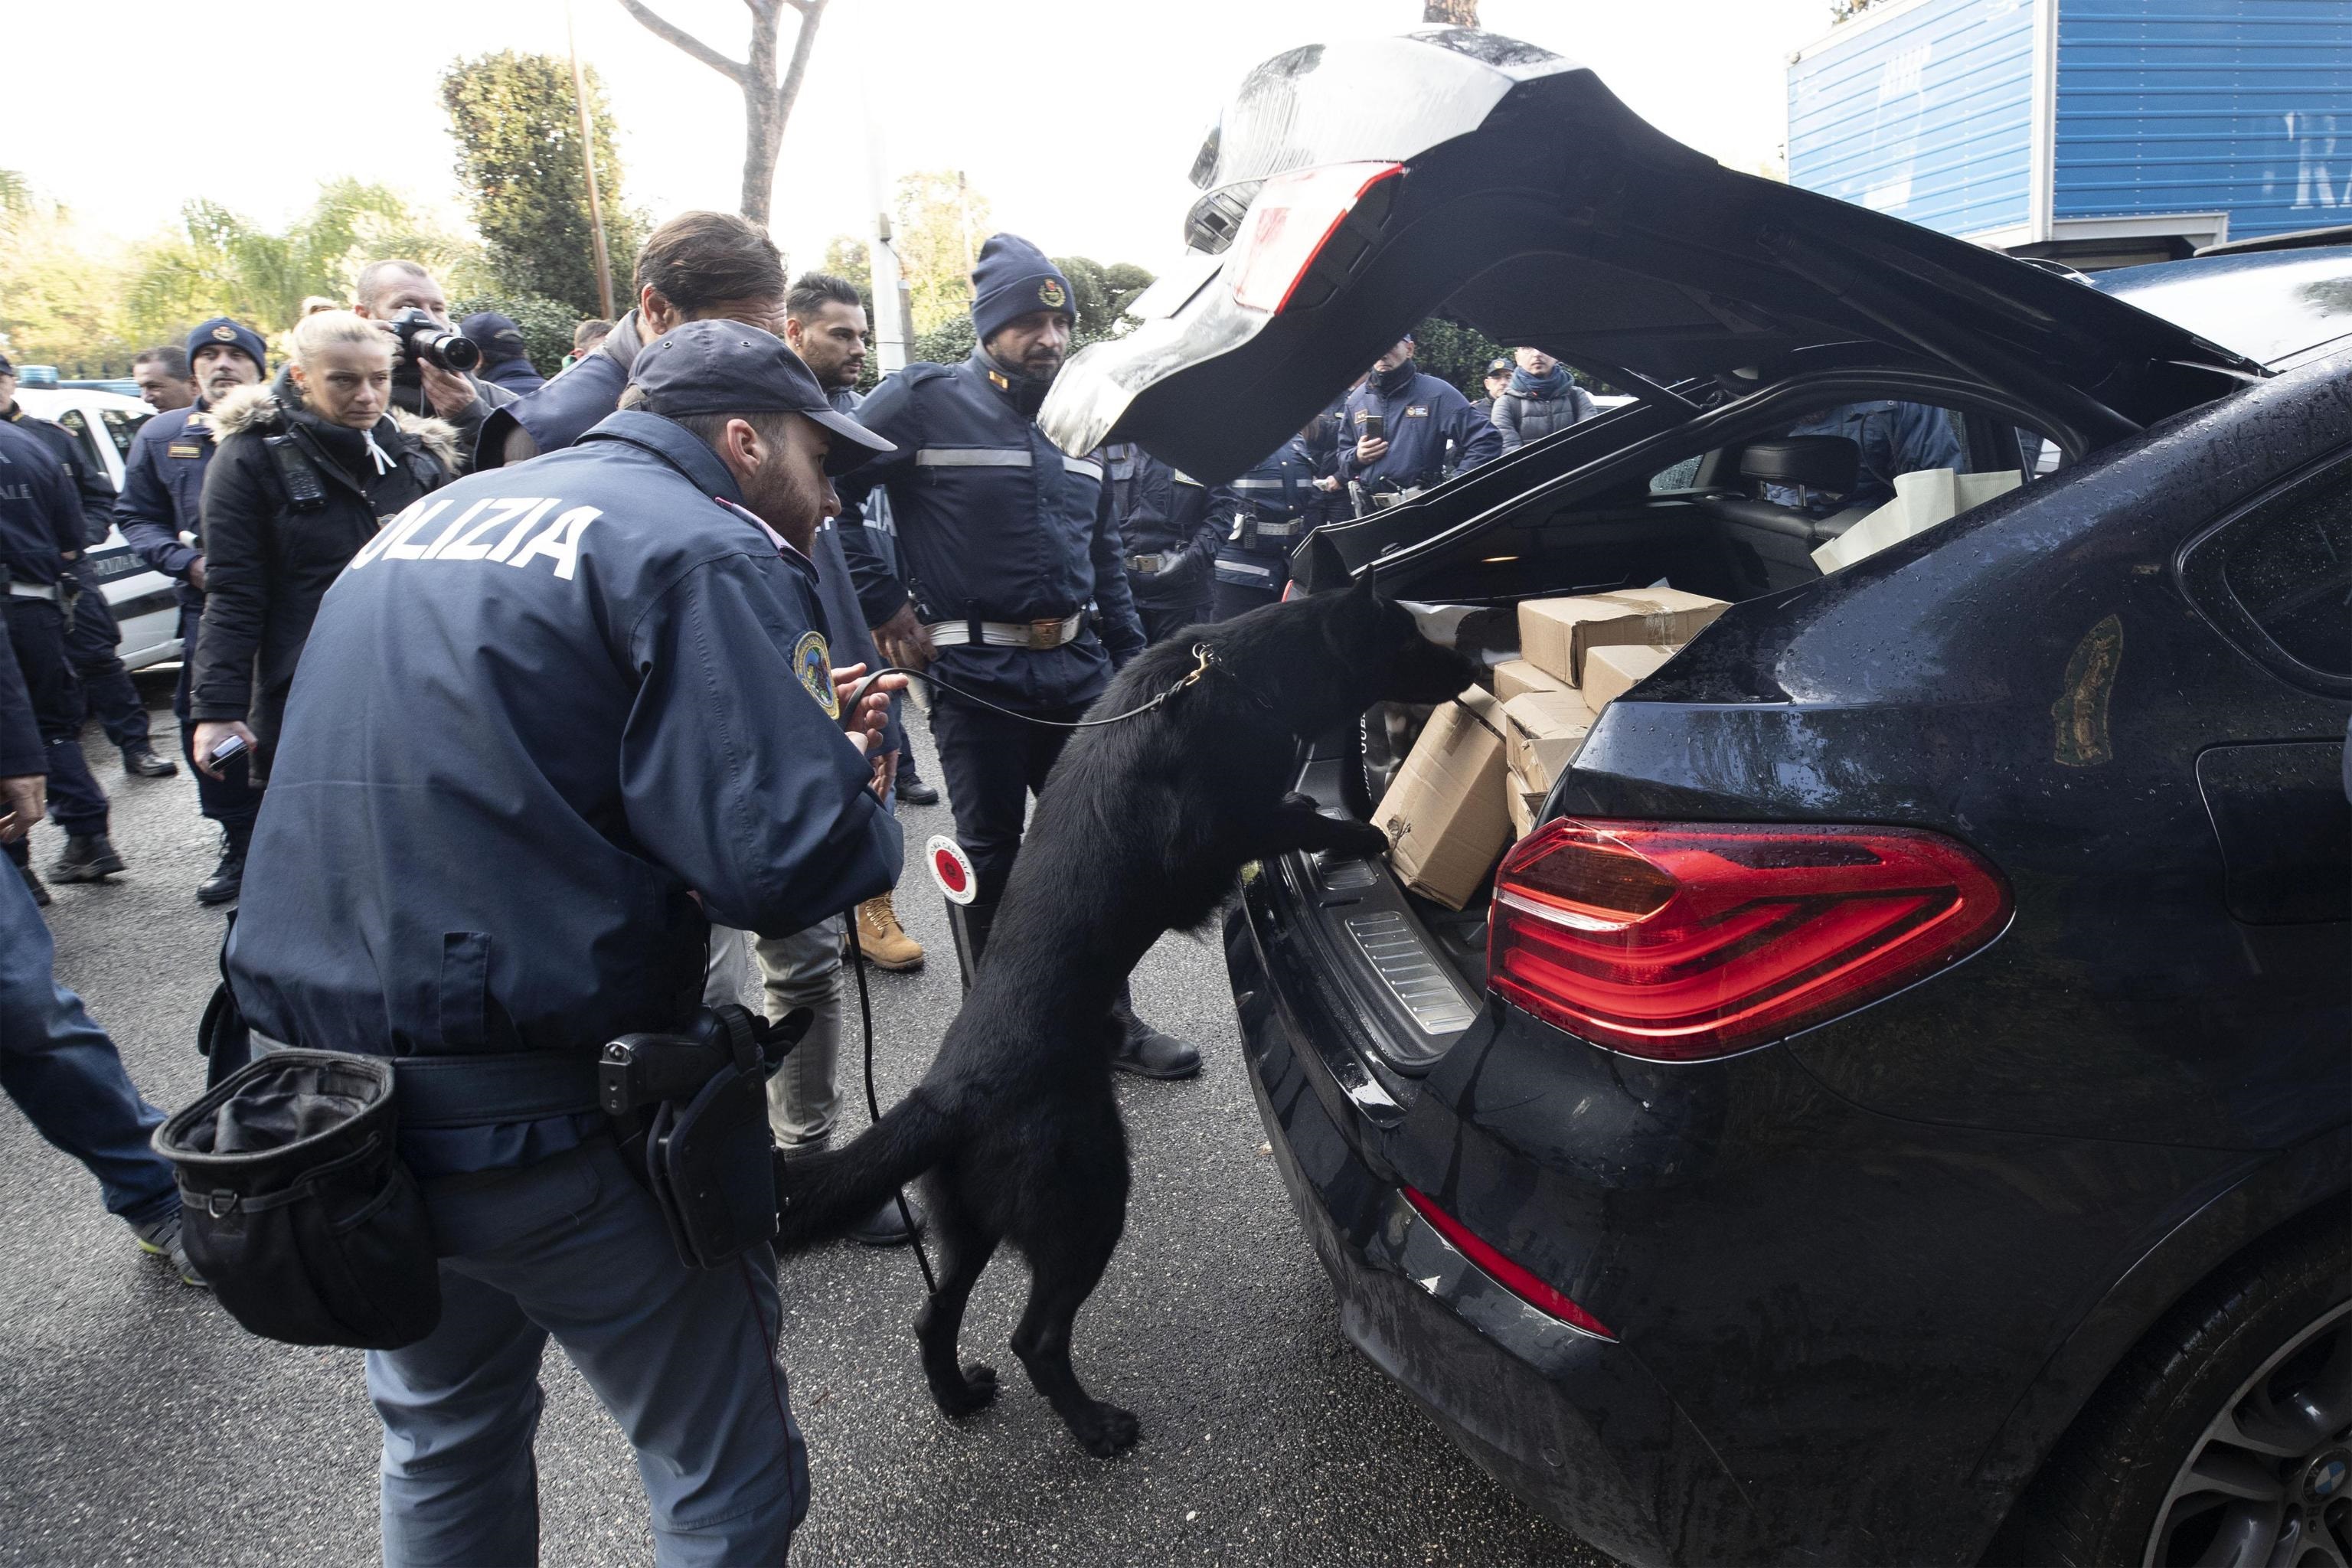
{"points": [[874, 1104], [1205, 655]]}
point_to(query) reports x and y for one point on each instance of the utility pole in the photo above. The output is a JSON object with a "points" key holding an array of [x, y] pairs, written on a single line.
{"points": [[588, 166], [894, 331]]}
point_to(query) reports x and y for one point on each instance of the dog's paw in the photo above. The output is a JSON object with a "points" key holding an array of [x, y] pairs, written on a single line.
{"points": [[1105, 1430], [975, 1392], [1299, 800], [1359, 838]]}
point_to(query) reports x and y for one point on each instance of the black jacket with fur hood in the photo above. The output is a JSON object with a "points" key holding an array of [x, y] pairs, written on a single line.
{"points": [[287, 502]]}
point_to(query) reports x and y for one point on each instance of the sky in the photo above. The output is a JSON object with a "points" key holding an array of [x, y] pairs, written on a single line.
{"points": [[1078, 122]]}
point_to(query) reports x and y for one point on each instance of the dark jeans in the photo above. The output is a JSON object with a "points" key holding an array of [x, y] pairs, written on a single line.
{"points": [[1161, 622], [64, 1074], [37, 631], [993, 763], [231, 801], [91, 644]]}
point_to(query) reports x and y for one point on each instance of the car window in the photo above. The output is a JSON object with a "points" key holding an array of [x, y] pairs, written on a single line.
{"points": [[79, 428], [1681, 476], [2288, 566], [122, 425]]}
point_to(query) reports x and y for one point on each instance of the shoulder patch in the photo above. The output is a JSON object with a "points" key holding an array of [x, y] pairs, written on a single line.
{"points": [[184, 449], [812, 662]]}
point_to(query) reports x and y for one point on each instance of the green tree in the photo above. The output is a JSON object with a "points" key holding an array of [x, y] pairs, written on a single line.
{"points": [[545, 324], [939, 227], [518, 157], [1100, 295], [60, 297]]}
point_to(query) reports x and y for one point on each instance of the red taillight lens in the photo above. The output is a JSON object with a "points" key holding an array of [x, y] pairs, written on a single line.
{"points": [[1513, 1277], [1678, 941], [1289, 223]]}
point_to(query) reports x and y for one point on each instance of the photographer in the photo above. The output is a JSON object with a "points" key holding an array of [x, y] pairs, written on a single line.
{"points": [[422, 382], [307, 465]]}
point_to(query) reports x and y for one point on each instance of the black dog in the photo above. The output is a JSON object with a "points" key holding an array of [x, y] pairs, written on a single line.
{"points": [[1139, 830]]}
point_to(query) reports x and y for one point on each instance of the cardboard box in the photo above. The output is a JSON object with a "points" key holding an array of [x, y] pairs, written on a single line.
{"points": [[1524, 802], [1541, 732], [1517, 676], [1445, 814], [1923, 498], [1557, 635], [1610, 672]]}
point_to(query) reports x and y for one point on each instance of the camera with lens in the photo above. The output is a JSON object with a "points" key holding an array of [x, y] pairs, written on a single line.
{"points": [[423, 339]]}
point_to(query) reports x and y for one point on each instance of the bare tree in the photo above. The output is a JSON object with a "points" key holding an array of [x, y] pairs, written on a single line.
{"points": [[1450, 13], [767, 101]]}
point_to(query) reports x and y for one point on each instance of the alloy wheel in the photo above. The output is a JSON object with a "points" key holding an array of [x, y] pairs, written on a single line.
{"points": [[2269, 1484]]}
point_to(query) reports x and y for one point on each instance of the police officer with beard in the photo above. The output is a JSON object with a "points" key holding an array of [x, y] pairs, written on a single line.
{"points": [[1011, 579], [160, 515], [551, 723]]}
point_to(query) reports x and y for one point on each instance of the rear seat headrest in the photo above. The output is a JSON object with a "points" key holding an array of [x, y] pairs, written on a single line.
{"points": [[1816, 462]]}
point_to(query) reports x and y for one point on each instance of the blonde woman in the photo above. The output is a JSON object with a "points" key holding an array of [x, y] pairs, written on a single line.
{"points": [[308, 466]]}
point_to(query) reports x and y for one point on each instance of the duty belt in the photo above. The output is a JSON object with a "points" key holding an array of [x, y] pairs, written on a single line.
{"points": [[482, 1090], [1277, 530], [1044, 634], [49, 591], [1153, 565]]}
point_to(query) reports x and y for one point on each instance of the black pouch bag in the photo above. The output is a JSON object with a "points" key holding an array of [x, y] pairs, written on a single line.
{"points": [[296, 1206]]}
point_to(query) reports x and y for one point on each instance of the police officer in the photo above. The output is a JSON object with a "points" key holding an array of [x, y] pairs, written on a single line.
{"points": [[1402, 431], [551, 723], [40, 533], [58, 1067], [92, 638], [162, 484], [1268, 510], [1010, 582], [1164, 519]]}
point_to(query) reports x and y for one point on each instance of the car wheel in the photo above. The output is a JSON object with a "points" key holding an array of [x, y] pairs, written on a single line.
{"points": [[2224, 1440]]}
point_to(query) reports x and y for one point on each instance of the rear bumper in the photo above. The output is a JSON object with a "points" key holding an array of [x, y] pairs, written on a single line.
{"points": [[1571, 1423]]}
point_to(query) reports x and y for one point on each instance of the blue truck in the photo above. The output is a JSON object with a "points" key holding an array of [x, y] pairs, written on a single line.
{"points": [[2096, 133]]}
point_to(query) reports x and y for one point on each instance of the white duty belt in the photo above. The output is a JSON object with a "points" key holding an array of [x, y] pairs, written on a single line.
{"points": [[1153, 565], [49, 591], [1044, 634]]}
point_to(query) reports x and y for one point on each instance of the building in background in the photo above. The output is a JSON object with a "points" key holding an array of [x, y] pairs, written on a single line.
{"points": [[2096, 133]]}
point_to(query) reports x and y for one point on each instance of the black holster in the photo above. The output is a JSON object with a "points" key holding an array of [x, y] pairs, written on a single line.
{"points": [[690, 1111]]}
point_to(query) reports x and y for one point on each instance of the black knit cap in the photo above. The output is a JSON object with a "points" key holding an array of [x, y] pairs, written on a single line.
{"points": [[726, 367], [1011, 279]]}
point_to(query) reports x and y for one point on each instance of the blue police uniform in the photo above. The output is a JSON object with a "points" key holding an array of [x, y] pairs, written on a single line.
{"points": [[557, 413], [1430, 428], [551, 722], [92, 638], [1164, 521], [40, 525], [1268, 512], [162, 483], [1002, 543], [1891, 437]]}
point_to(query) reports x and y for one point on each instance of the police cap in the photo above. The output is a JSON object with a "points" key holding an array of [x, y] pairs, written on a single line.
{"points": [[726, 367]]}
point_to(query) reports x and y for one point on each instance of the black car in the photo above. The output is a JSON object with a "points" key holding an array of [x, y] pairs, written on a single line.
{"points": [[1895, 1108]]}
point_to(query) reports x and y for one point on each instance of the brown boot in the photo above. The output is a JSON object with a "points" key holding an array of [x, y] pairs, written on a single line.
{"points": [[885, 941]]}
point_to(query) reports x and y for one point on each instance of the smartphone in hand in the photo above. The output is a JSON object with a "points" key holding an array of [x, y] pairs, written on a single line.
{"points": [[1375, 427], [226, 749]]}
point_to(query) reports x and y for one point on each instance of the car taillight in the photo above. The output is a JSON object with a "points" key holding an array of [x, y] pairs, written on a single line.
{"points": [[1514, 1278], [1678, 940], [1291, 225]]}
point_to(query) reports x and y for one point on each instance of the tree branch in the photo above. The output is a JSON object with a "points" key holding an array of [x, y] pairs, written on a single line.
{"points": [[811, 13], [733, 70]]}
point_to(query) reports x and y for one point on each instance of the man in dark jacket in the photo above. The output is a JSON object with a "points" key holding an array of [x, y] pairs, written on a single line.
{"points": [[1403, 432], [697, 266], [40, 533], [92, 639], [505, 361], [160, 516], [386, 288], [553, 721], [1268, 512], [1497, 382], [1010, 580], [58, 1067], [1164, 519]]}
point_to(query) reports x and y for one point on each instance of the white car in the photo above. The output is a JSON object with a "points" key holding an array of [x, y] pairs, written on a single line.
{"points": [[142, 600]]}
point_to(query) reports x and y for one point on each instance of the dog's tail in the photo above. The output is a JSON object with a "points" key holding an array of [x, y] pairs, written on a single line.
{"points": [[821, 1196]]}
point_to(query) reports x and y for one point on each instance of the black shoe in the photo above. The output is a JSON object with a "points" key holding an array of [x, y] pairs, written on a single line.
{"points": [[33, 885], [884, 1227], [87, 858], [914, 791], [140, 762], [227, 878], [1147, 1053]]}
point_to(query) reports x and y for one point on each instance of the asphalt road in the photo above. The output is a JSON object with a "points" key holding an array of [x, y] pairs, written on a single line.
{"points": [[139, 1425]]}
